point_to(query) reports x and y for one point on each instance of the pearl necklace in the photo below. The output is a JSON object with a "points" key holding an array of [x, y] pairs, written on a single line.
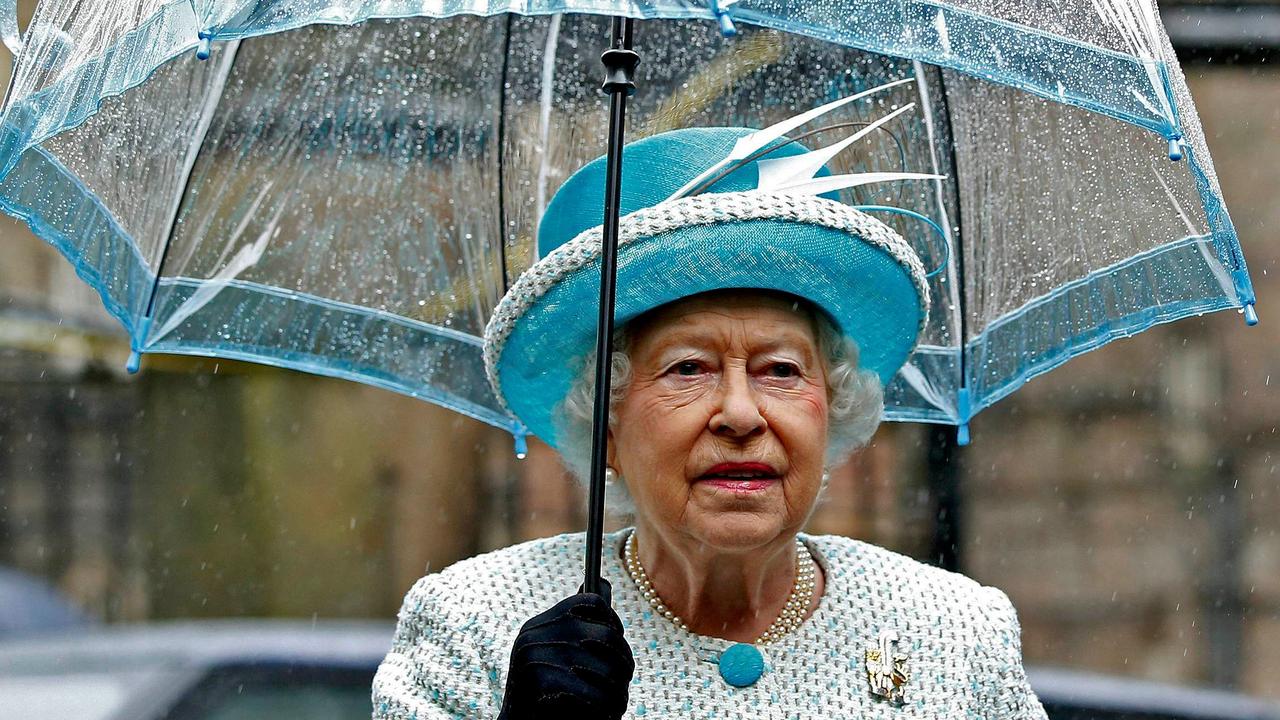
{"points": [[789, 619]]}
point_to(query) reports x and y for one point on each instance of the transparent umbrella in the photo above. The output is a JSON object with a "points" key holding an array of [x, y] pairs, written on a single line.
{"points": [[347, 187]]}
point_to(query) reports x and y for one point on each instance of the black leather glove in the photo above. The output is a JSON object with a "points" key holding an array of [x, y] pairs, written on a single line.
{"points": [[570, 662]]}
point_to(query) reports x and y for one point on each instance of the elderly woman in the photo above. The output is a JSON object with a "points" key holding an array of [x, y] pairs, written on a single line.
{"points": [[756, 331]]}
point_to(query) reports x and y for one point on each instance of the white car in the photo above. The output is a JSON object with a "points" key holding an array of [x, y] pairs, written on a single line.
{"points": [[208, 670]]}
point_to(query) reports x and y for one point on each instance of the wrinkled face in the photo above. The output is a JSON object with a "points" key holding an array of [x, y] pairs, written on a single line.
{"points": [[722, 435]]}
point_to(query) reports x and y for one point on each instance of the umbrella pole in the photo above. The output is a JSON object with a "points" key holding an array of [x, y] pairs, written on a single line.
{"points": [[619, 62]]}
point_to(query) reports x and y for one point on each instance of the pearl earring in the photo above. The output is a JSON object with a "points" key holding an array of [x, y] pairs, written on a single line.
{"points": [[611, 476]]}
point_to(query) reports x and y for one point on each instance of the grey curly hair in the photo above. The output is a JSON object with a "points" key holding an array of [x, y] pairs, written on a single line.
{"points": [[855, 403]]}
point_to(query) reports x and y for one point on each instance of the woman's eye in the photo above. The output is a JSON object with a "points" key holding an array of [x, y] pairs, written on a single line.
{"points": [[688, 367], [783, 370]]}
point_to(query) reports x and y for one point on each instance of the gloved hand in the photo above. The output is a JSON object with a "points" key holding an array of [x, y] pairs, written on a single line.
{"points": [[571, 661]]}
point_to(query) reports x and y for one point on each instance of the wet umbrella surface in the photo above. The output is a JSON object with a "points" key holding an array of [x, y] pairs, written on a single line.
{"points": [[306, 185], [352, 199]]}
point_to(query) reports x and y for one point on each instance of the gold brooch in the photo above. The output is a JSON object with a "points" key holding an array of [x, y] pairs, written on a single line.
{"points": [[887, 668]]}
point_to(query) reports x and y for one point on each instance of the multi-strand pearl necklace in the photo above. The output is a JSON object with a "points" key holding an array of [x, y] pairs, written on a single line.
{"points": [[789, 619]]}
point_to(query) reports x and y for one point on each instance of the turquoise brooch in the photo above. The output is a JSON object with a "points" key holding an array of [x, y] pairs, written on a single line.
{"points": [[741, 665]]}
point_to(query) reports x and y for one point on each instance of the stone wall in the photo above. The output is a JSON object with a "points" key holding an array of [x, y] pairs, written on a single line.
{"points": [[1129, 502]]}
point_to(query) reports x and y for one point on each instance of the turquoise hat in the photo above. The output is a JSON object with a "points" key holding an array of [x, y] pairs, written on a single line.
{"points": [[860, 272]]}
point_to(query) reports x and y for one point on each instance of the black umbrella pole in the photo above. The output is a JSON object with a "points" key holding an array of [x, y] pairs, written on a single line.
{"points": [[619, 62]]}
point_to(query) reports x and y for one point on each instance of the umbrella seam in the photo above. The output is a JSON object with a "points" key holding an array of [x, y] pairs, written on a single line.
{"points": [[283, 360], [1061, 290], [311, 299], [1099, 336]]}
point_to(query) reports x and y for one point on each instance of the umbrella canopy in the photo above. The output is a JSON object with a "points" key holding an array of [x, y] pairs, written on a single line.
{"points": [[352, 197]]}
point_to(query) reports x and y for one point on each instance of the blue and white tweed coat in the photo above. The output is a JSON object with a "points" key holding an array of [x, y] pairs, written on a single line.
{"points": [[453, 641]]}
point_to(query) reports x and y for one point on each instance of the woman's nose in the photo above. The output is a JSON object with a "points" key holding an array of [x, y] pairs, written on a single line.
{"points": [[738, 413]]}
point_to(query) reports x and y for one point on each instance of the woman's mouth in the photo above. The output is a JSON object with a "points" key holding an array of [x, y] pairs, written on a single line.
{"points": [[740, 477]]}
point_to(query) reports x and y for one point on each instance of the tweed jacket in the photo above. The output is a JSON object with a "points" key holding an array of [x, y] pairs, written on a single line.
{"points": [[962, 642]]}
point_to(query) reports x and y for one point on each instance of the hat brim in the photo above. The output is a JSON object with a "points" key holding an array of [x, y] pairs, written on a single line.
{"points": [[850, 265]]}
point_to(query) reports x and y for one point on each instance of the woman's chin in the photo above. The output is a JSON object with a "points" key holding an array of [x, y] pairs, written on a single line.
{"points": [[729, 519], [735, 532]]}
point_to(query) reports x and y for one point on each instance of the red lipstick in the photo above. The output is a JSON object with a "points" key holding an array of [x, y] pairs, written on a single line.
{"points": [[740, 476]]}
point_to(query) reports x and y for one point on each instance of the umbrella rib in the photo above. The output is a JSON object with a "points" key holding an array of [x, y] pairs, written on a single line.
{"points": [[926, 116], [502, 156], [189, 164], [544, 123], [957, 258]]}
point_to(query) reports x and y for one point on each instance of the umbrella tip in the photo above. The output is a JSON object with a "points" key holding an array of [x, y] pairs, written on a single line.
{"points": [[1250, 315], [134, 362], [1176, 151], [727, 28], [964, 411], [720, 8], [205, 48], [522, 443]]}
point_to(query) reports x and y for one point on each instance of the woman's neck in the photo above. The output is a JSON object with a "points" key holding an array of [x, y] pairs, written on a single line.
{"points": [[730, 595]]}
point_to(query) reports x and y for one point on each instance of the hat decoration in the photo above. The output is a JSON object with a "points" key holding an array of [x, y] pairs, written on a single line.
{"points": [[706, 209]]}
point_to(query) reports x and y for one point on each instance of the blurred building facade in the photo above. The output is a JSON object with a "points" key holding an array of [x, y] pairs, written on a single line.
{"points": [[1129, 502]]}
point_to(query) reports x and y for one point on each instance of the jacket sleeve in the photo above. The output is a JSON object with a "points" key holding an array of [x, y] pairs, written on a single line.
{"points": [[439, 666], [1010, 693]]}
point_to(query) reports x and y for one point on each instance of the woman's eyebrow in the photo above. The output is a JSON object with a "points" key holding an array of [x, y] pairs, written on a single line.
{"points": [[687, 337], [686, 340], [663, 350], [786, 341]]}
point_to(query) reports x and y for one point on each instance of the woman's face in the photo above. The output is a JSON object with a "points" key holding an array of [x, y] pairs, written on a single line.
{"points": [[722, 434]]}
